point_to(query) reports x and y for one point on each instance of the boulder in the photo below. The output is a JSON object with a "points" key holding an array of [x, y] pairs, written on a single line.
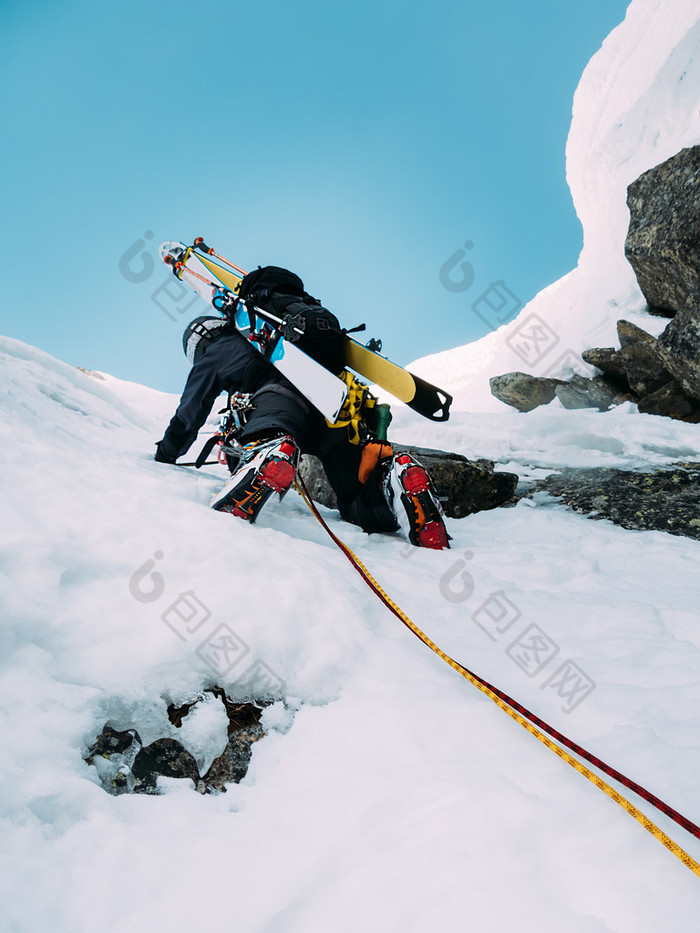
{"points": [[522, 391], [166, 758], [640, 359], [468, 485], [663, 241], [664, 500], [580, 392]]}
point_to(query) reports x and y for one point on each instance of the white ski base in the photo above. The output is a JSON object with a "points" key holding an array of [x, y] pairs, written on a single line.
{"points": [[324, 390]]}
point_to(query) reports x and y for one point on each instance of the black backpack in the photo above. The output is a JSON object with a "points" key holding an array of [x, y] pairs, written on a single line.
{"points": [[282, 293]]}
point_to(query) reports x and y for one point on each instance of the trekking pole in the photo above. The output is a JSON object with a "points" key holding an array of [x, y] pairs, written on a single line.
{"points": [[373, 344], [280, 324], [200, 244]]}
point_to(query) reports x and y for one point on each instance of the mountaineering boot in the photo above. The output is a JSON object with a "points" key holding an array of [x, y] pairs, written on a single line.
{"points": [[415, 503], [266, 467]]}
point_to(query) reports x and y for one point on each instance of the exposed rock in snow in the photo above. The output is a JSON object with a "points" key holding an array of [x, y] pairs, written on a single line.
{"points": [[213, 747], [467, 486], [665, 500], [636, 372]]}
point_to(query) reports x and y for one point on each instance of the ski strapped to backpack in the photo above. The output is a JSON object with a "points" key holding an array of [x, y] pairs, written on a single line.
{"points": [[269, 333], [420, 395]]}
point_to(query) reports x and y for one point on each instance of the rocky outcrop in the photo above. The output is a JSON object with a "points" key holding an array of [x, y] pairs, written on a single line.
{"points": [[663, 241], [650, 372], [664, 500], [643, 370], [468, 486], [663, 246], [232, 764]]}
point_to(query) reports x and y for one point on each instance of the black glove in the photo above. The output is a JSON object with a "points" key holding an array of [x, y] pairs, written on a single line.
{"points": [[161, 456]]}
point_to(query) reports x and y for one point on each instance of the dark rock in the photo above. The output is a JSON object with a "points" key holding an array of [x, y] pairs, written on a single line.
{"points": [[522, 391], [468, 485], [663, 241], [177, 713], [665, 500], [580, 392], [668, 401], [314, 477], [112, 742], [124, 766], [649, 366], [608, 360], [244, 730], [679, 348], [640, 358], [162, 758], [659, 312], [232, 763], [112, 755]]}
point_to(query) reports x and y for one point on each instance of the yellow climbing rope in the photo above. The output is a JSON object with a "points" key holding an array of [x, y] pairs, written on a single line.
{"points": [[643, 820]]}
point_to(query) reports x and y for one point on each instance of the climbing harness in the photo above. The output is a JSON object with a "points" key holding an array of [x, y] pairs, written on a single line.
{"points": [[528, 720], [358, 404]]}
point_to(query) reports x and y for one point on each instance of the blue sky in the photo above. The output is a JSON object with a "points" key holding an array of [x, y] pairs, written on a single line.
{"points": [[361, 144]]}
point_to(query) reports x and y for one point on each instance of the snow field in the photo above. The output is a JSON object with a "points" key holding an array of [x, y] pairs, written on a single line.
{"points": [[390, 794]]}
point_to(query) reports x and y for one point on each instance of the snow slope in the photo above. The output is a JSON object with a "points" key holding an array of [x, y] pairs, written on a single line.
{"points": [[637, 104], [389, 794]]}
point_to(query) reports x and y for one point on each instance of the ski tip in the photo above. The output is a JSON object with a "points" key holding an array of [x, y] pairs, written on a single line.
{"points": [[429, 401]]}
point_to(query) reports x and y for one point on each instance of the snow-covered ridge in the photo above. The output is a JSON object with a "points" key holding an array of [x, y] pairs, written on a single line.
{"points": [[637, 104]]}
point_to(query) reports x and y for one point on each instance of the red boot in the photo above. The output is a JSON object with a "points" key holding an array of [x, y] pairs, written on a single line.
{"points": [[416, 504], [267, 467]]}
